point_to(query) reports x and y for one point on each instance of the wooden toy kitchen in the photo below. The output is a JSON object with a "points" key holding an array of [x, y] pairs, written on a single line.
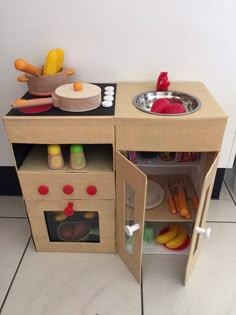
{"points": [[134, 163]]}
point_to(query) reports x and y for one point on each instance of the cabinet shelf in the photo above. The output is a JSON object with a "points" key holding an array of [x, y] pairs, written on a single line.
{"points": [[162, 212], [99, 159], [158, 162], [154, 248]]}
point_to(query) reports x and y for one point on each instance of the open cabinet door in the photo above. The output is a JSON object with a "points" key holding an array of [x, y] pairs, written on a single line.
{"points": [[200, 220], [130, 183]]}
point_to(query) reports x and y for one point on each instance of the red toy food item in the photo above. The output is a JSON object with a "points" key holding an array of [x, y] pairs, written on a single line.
{"points": [[163, 82], [175, 109], [160, 105]]}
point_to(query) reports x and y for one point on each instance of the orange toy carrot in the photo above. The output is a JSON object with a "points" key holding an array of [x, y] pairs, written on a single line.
{"points": [[22, 65], [170, 201]]}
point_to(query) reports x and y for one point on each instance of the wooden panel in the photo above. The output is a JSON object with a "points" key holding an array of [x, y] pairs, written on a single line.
{"points": [[169, 135], [30, 183], [55, 129], [105, 209], [200, 220], [130, 174]]}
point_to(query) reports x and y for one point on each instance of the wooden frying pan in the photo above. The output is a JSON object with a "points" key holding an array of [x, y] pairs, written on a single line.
{"points": [[66, 99]]}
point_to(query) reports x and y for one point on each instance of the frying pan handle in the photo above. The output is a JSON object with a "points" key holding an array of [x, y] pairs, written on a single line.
{"points": [[22, 78], [22, 103]]}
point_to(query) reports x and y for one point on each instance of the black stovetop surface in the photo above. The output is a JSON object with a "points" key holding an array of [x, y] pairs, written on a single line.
{"points": [[100, 111]]}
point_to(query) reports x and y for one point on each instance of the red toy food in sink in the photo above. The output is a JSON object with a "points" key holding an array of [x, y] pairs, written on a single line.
{"points": [[160, 105], [165, 106], [175, 109]]}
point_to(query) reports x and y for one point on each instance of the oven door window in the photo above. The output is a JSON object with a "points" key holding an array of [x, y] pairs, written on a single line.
{"points": [[82, 226]]}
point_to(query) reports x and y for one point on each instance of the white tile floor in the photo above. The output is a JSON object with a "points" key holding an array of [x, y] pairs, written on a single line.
{"points": [[34, 283]]}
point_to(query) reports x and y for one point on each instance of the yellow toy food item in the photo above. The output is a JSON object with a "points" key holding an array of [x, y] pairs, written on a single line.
{"points": [[55, 158], [60, 216], [179, 239], [51, 64], [169, 235], [77, 86], [60, 55], [89, 215]]}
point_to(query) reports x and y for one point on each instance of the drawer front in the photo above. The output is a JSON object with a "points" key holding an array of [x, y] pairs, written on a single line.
{"points": [[60, 130], [170, 135], [67, 186]]}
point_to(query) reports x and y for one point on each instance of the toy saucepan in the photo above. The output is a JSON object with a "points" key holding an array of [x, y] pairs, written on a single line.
{"points": [[39, 84], [66, 98]]}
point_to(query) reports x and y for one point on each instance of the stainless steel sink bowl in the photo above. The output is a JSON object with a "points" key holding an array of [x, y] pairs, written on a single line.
{"points": [[144, 101]]}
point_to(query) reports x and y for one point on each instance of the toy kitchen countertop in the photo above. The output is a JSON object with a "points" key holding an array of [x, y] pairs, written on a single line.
{"points": [[94, 126], [55, 111], [136, 130]]}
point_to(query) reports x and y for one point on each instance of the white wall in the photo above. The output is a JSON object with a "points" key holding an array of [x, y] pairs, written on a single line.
{"points": [[110, 41]]}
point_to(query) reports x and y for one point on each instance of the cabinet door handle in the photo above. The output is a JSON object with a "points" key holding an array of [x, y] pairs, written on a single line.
{"points": [[130, 229], [206, 232]]}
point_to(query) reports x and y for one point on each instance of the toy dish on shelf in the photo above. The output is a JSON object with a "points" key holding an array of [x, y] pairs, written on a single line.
{"points": [[155, 195], [144, 101]]}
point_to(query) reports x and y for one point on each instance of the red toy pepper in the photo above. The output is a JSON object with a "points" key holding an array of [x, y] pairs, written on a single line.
{"points": [[163, 82]]}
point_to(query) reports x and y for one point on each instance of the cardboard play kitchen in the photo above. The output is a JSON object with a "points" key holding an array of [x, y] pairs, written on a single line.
{"points": [[111, 204]]}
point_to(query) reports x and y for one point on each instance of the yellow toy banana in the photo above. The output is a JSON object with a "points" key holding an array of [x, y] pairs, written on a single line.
{"points": [[169, 235], [179, 239]]}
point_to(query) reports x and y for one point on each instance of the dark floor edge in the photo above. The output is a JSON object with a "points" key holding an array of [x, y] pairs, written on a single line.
{"points": [[232, 197], [9, 183], [218, 183], [13, 278]]}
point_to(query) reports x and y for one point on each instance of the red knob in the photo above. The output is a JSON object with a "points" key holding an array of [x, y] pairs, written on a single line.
{"points": [[43, 190], [69, 211], [68, 189], [92, 190]]}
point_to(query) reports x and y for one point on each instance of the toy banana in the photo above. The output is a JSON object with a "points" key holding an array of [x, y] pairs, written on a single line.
{"points": [[179, 239], [169, 235], [60, 55], [51, 64]]}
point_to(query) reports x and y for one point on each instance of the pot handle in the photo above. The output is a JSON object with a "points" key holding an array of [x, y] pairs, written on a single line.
{"points": [[70, 71], [22, 78]]}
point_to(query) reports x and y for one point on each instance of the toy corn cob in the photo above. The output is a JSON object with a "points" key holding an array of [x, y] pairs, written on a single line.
{"points": [[51, 64], [60, 54]]}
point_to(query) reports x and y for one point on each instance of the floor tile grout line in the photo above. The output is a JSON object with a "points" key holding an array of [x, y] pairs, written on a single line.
{"points": [[141, 292], [230, 193], [13, 278], [227, 222], [2, 217]]}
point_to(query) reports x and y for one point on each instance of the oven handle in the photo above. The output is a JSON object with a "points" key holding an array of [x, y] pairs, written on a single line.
{"points": [[69, 211]]}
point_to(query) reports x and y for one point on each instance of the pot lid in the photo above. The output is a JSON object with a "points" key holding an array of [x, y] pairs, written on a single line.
{"points": [[67, 91]]}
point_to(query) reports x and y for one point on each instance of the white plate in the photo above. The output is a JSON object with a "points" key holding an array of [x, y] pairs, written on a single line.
{"points": [[155, 195]]}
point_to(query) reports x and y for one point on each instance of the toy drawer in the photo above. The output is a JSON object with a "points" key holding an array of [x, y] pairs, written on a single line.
{"points": [[50, 186], [60, 130]]}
